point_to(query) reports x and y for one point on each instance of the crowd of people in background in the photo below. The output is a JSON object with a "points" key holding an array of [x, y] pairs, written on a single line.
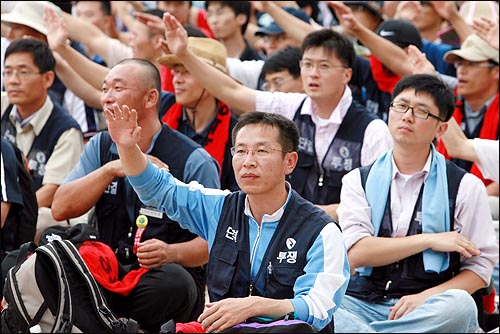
{"points": [[333, 160]]}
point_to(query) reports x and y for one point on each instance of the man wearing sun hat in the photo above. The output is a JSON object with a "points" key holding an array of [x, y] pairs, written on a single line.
{"points": [[198, 114], [477, 96], [27, 19]]}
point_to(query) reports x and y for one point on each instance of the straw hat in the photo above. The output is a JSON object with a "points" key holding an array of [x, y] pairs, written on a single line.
{"points": [[208, 49]]}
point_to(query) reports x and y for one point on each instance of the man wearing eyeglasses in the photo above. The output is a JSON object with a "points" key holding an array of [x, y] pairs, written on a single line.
{"points": [[271, 253], [476, 92], [417, 227], [50, 138], [336, 134]]}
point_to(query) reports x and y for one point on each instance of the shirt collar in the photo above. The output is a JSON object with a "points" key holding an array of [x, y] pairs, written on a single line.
{"points": [[276, 216], [37, 119], [425, 170], [337, 114]]}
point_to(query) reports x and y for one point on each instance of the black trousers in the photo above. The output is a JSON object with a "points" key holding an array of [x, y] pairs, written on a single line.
{"points": [[164, 293]]}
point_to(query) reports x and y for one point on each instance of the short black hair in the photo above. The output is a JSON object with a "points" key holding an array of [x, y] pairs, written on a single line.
{"points": [[287, 59], [432, 86], [43, 57], [288, 131], [332, 42], [194, 31], [238, 7], [151, 72], [105, 6]]}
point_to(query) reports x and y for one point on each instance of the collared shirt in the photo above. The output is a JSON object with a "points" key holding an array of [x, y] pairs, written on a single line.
{"points": [[474, 117], [67, 150], [472, 214], [377, 138]]}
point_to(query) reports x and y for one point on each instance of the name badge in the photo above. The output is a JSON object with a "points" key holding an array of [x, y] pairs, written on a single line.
{"points": [[151, 212]]}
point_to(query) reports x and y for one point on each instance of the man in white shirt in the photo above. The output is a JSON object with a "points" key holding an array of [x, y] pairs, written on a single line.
{"points": [[336, 134], [417, 227]]}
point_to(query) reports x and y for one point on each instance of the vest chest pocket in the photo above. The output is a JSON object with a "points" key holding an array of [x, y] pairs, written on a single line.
{"points": [[223, 269], [280, 282]]}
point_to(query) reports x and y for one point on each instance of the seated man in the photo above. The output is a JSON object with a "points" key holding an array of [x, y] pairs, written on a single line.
{"points": [[271, 252], [174, 286], [50, 138], [196, 113], [336, 133], [281, 71], [417, 228]]}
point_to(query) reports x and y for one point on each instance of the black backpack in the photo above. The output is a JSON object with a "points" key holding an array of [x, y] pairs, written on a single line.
{"points": [[21, 227], [54, 291]]}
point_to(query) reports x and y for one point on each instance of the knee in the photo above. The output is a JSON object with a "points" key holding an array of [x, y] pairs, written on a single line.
{"points": [[176, 282], [465, 308]]}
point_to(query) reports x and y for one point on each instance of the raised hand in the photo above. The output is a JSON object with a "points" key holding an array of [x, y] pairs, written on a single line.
{"points": [[175, 35], [154, 23], [122, 125], [57, 34], [345, 16], [487, 29], [419, 62]]}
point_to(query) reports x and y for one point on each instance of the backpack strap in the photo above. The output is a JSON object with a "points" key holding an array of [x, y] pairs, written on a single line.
{"points": [[64, 316], [104, 312], [25, 250]]}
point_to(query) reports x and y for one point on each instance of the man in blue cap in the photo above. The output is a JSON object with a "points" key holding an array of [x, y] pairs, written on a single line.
{"points": [[272, 35]]}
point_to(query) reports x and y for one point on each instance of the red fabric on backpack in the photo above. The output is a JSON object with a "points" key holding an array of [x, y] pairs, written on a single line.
{"points": [[103, 265], [189, 327]]}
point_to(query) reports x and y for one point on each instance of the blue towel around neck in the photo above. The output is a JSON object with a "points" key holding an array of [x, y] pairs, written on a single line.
{"points": [[435, 204]]}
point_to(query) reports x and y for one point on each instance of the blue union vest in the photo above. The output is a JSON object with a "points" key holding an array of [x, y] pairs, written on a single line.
{"points": [[116, 228], [229, 261], [43, 145], [321, 184], [407, 276]]}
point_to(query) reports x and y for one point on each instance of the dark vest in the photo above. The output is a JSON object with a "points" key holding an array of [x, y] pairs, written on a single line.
{"points": [[115, 225], [408, 275], [321, 184], [43, 145], [469, 133], [229, 262]]}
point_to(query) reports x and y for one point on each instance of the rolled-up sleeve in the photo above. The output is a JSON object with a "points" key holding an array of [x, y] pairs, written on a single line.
{"points": [[354, 211]]}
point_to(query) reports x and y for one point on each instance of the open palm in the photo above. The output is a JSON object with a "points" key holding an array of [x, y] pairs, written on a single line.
{"points": [[122, 125], [175, 34]]}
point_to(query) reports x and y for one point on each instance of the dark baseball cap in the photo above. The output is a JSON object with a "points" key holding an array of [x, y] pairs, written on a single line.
{"points": [[400, 32], [273, 28], [374, 7]]}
